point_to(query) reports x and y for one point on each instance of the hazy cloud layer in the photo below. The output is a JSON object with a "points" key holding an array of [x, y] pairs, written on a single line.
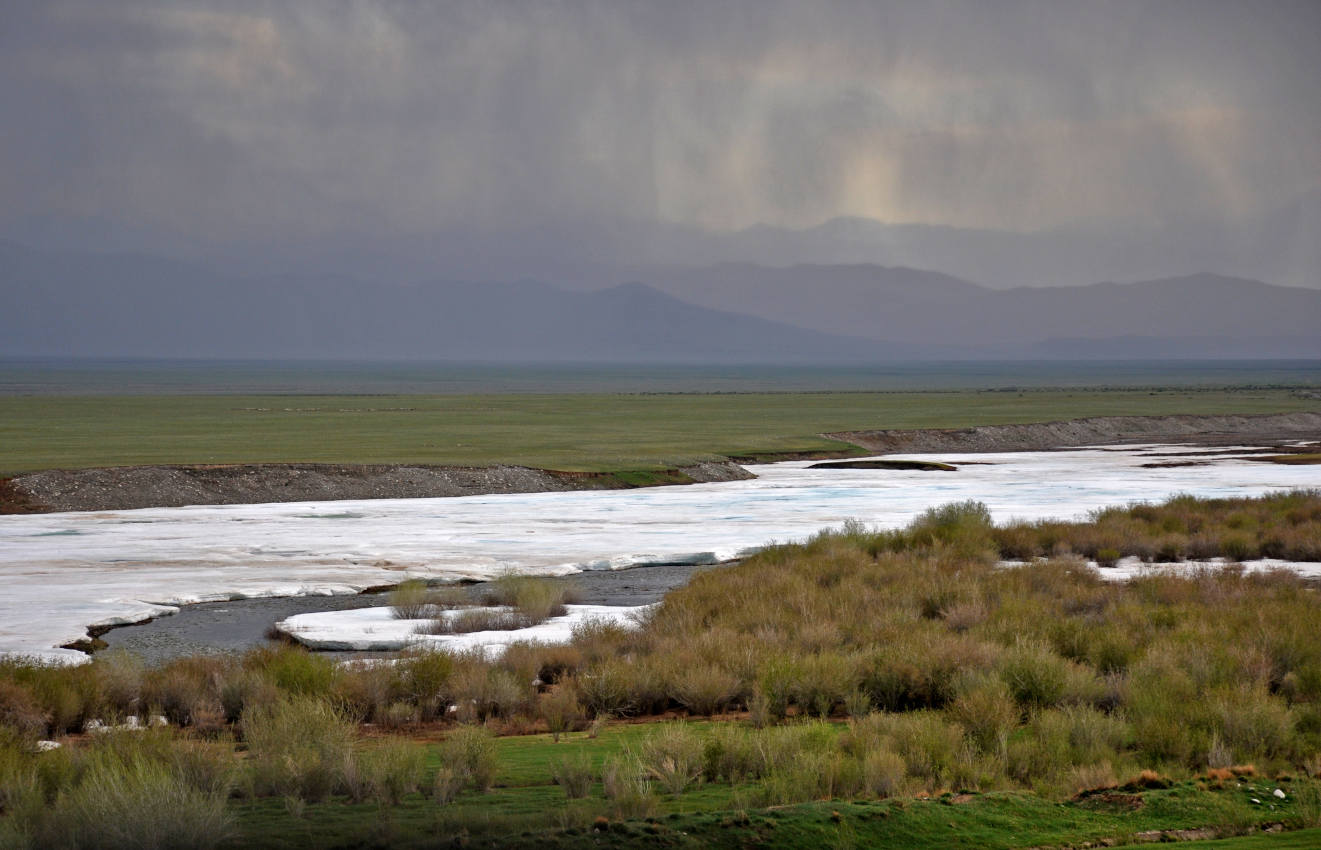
{"points": [[625, 133]]}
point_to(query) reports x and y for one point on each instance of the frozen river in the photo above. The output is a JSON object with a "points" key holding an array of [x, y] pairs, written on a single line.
{"points": [[64, 572]]}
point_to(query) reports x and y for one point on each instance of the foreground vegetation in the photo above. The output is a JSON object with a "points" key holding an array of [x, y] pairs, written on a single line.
{"points": [[925, 694], [570, 432]]}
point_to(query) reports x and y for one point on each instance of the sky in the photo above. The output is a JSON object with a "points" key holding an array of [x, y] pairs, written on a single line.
{"points": [[1009, 142]]}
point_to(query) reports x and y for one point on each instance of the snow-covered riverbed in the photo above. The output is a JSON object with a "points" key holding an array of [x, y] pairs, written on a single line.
{"points": [[64, 572]]}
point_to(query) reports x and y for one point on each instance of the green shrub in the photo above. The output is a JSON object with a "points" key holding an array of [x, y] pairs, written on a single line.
{"points": [[138, 804], [1036, 676], [470, 752], [605, 688], [447, 783], [387, 771], [729, 754], [425, 679], [560, 708], [883, 772], [672, 756], [20, 711], [299, 748], [294, 670], [409, 600], [987, 710], [705, 689], [574, 774]]}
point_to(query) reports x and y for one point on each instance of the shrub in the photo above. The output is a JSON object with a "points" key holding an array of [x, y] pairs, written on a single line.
{"points": [[120, 675], [295, 670], [822, 681], [987, 711], [536, 598], [447, 783], [425, 678], [139, 804], [883, 772], [1252, 724], [475, 620], [625, 786], [672, 756], [389, 770], [1041, 750], [470, 751], [482, 692], [1108, 557], [560, 708], [204, 767], [409, 600], [605, 689], [20, 712], [705, 689], [729, 754], [299, 747], [573, 773], [1036, 676]]}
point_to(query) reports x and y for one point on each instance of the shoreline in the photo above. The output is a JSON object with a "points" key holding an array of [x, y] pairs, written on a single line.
{"points": [[179, 485], [245, 622]]}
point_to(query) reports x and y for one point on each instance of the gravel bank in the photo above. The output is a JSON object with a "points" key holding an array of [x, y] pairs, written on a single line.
{"points": [[129, 487], [1259, 429]]}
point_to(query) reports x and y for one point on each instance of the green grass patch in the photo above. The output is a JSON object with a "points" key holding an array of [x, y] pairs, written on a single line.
{"points": [[569, 432]]}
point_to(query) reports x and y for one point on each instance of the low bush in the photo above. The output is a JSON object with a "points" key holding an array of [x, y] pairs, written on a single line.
{"points": [[387, 771], [409, 600], [137, 804], [574, 774], [299, 748], [560, 708], [470, 752], [672, 756]]}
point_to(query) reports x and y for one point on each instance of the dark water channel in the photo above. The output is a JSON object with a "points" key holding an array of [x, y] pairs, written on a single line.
{"points": [[210, 627]]}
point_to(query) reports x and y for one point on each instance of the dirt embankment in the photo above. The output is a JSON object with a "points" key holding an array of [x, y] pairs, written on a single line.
{"points": [[1268, 429], [128, 487]]}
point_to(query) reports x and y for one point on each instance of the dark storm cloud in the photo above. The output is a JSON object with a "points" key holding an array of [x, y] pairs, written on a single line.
{"points": [[586, 124]]}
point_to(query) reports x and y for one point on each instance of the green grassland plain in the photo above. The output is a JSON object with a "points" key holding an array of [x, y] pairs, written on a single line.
{"points": [[583, 432]]}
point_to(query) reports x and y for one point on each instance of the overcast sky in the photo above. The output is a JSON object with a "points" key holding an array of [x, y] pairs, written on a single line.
{"points": [[634, 133]]}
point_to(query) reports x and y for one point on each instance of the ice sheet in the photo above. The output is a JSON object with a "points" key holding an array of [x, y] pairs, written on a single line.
{"points": [[377, 629], [64, 572]]}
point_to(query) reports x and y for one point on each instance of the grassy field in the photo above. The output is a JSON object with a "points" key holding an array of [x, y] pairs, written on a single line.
{"points": [[573, 432], [527, 809]]}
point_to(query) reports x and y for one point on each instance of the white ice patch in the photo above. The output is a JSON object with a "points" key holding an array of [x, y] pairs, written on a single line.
{"points": [[63, 572], [376, 629]]}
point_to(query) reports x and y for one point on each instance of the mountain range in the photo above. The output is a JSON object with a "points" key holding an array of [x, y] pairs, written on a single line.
{"points": [[71, 304]]}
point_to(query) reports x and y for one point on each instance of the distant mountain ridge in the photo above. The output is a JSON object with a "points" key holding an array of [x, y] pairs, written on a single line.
{"points": [[913, 307], [119, 305], [126, 306]]}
